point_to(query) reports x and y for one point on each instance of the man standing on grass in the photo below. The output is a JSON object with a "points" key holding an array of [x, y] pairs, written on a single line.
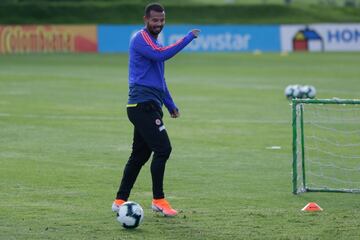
{"points": [[147, 93]]}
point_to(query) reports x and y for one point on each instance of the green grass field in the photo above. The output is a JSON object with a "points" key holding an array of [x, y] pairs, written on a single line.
{"points": [[65, 137]]}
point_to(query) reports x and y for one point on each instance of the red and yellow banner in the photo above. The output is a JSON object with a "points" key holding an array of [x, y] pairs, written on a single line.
{"points": [[48, 38]]}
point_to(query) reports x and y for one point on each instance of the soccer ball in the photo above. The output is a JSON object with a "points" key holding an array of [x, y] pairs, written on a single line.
{"points": [[305, 90], [297, 93], [312, 92], [130, 215], [289, 91], [308, 91]]}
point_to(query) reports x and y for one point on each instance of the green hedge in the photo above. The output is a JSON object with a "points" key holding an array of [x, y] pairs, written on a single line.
{"points": [[24, 12]]}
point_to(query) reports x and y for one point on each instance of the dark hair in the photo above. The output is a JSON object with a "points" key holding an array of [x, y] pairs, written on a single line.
{"points": [[153, 7]]}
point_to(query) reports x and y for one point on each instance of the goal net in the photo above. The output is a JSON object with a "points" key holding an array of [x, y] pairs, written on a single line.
{"points": [[326, 145]]}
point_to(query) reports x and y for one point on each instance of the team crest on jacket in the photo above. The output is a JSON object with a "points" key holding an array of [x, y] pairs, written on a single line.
{"points": [[158, 122]]}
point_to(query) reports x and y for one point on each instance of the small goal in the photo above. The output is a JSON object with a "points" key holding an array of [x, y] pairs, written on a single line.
{"points": [[326, 145]]}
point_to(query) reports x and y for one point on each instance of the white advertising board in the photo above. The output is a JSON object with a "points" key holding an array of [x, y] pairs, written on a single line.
{"points": [[320, 37]]}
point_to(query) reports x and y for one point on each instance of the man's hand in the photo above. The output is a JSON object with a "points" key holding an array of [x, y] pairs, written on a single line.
{"points": [[175, 113], [196, 32]]}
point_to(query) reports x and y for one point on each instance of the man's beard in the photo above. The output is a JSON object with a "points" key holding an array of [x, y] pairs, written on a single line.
{"points": [[155, 32]]}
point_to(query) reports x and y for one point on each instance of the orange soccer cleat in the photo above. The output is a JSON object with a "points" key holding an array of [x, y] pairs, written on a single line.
{"points": [[163, 206], [116, 205]]}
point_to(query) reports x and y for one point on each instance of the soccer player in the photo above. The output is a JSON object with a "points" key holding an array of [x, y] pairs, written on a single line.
{"points": [[147, 93]]}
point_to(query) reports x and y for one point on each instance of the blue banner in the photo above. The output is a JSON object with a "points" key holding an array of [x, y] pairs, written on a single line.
{"points": [[213, 38]]}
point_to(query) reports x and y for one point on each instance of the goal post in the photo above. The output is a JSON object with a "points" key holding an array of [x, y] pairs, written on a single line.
{"points": [[326, 145]]}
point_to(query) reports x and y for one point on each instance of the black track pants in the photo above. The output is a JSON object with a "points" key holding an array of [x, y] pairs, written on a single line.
{"points": [[149, 136]]}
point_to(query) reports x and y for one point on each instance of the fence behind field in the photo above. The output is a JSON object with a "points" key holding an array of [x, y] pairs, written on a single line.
{"points": [[213, 38]]}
